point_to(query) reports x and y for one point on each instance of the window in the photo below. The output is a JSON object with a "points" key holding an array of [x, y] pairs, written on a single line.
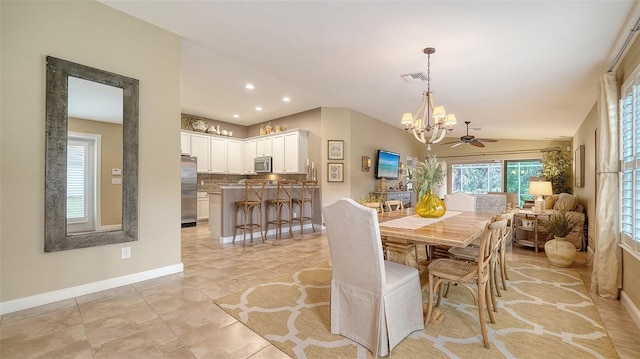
{"points": [[630, 158], [481, 177], [517, 177], [81, 182]]}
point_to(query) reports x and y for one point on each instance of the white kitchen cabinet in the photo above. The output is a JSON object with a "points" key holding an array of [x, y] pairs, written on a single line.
{"points": [[278, 154], [226, 155], [203, 206], [290, 152], [201, 148], [185, 142], [264, 146], [248, 154], [234, 156]]}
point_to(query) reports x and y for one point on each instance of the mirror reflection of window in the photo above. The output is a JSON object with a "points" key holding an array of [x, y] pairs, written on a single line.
{"points": [[94, 192]]}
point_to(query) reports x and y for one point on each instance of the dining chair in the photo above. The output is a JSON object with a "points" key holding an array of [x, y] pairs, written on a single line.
{"points": [[374, 302], [253, 192], [471, 253], [466, 273], [376, 205], [393, 205], [460, 201], [306, 200], [281, 202]]}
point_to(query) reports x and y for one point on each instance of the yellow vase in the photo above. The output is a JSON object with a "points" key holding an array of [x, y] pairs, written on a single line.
{"points": [[430, 206]]}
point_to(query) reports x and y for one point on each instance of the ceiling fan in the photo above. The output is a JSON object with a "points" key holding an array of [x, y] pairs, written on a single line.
{"points": [[472, 140]]}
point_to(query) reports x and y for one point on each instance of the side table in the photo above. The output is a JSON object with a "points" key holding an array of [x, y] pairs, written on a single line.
{"points": [[529, 214]]}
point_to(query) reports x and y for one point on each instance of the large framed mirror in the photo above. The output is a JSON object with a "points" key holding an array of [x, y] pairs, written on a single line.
{"points": [[87, 203]]}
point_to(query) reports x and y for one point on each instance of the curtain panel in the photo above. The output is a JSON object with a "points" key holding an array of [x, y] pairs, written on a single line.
{"points": [[604, 277]]}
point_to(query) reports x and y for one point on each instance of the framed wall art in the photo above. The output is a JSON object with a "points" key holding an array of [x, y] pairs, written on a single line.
{"points": [[335, 172], [578, 165], [336, 149]]}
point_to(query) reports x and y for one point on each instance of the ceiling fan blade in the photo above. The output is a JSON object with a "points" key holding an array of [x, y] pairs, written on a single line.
{"points": [[476, 143], [485, 140], [448, 143], [457, 144]]}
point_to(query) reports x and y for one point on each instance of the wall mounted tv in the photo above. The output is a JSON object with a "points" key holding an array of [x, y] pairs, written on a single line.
{"points": [[387, 164]]}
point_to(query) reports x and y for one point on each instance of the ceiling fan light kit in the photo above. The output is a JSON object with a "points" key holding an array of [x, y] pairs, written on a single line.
{"points": [[420, 123]]}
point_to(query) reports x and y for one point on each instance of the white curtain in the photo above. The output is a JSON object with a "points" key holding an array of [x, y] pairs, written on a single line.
{"points": [[604, 278]]}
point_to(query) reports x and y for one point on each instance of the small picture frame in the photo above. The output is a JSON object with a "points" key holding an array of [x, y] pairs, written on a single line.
{"points": [[335, 172], [336, 150]]}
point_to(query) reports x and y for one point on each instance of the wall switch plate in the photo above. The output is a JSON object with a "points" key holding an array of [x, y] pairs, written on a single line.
{"points": [[126, 252], [116, 180], [116, 171]]}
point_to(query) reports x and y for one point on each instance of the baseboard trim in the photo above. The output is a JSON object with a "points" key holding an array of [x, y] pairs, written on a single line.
{"points": [[634, 312], [272, 231], [72, 292]]}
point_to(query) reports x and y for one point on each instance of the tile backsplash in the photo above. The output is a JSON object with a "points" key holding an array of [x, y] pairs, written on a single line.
{"points": [[211, 182]]}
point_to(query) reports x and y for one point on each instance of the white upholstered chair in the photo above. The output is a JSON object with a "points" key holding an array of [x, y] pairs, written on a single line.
{"points": [[460, 201], [374, 302]]}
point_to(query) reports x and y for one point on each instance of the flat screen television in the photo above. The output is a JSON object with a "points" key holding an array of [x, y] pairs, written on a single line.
{"points": [[387, 164]]}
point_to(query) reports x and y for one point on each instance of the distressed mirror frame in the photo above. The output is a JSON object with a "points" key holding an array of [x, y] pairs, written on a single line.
{"points": [[55, 230]]}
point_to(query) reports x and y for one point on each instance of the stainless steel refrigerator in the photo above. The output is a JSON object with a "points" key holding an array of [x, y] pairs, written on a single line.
{"points": [[189, 174]]}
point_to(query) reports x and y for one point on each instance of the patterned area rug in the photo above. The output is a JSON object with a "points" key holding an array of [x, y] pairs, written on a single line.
{"points": [[546, 312]]}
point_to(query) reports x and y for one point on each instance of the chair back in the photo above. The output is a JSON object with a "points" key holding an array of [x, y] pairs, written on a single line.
{"points": [[375, 205], [308, 189], [285, 190], [253, 190], [393, 205], [509, 216], [355, 245], [460, 201], [489, 244]]}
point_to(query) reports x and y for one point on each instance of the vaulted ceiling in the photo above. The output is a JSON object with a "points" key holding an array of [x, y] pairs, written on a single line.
{"points": [[515, 69]]}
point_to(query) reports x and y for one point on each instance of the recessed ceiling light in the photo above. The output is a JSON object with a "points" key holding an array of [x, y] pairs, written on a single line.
{"points": [[286, 99], [249, 86], [235, 115], [258, 108]]}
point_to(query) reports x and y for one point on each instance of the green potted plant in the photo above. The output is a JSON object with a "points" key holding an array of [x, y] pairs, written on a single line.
{"points": [[554, 169], [426, 176], [559, 251]]}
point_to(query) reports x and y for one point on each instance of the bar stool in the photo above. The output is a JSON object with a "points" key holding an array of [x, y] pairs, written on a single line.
{"points": [[307, 196], [253, 190], [283, 197]]}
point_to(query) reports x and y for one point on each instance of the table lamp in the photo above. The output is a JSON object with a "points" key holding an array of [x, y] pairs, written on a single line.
{"points": [[540, 188]]}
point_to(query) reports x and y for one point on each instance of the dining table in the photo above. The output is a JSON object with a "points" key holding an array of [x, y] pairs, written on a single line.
{"points": [[402, 230]]}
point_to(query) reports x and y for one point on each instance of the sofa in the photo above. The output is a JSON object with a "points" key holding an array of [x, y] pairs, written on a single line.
{"points": [[553, 203]]}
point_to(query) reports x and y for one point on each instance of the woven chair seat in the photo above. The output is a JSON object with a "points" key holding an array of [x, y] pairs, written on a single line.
{"points": [[452, 269]]}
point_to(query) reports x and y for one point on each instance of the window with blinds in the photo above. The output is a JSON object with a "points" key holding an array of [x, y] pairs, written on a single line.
{"points": [[630, 157], [77, 180]]}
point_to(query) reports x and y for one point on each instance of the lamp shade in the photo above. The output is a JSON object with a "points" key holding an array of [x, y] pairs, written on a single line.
{"points": [[439, 113], [540, 188], [450, 120], [407, 119]]}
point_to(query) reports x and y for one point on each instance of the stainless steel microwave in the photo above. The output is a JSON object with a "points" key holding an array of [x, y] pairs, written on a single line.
{"points": [[262, 164]]}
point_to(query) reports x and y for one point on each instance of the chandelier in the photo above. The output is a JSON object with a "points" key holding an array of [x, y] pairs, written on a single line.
{"points": [[420, 123]]}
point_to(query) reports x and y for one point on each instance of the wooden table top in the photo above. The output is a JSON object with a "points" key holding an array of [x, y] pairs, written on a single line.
{"points": [[457, 231]]}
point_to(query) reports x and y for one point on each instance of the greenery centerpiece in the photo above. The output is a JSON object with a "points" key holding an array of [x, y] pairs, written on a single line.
{"points": [[559, 251], [426, 176]]}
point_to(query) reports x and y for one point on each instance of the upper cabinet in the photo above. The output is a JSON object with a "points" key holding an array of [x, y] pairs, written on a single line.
{"points": [[223, 155]]}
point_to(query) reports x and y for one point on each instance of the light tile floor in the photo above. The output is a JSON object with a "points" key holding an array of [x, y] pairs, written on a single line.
{"points": [[175, 317]]}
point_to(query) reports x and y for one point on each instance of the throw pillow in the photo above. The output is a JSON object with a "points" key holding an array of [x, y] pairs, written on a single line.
{"points": [[567, 201], [550, 201]]}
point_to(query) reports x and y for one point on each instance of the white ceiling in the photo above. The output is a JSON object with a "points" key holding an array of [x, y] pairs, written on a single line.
{"points": [[516, 69]]}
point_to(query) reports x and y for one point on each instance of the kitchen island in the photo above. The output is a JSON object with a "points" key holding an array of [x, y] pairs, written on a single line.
{"points": [[221, 211]]}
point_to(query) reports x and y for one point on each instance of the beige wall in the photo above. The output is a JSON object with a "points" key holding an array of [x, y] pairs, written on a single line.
{"points": [[91, 34], [110, 157], [586, 135]]}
